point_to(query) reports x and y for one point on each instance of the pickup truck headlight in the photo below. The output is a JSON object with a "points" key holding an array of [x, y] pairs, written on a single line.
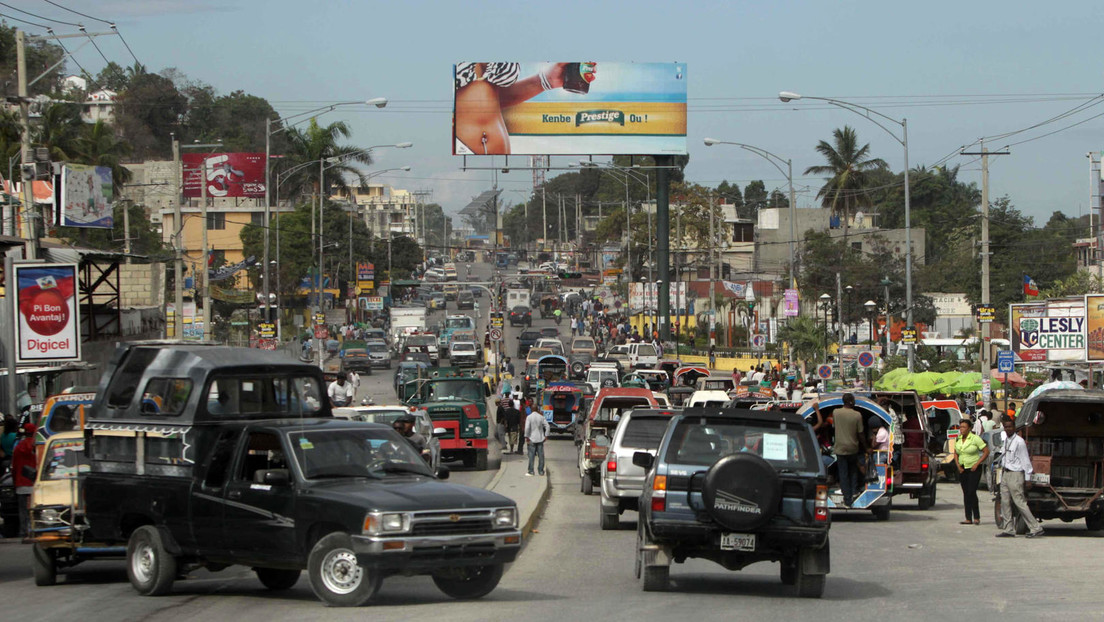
{"points": [[386, 523], [505, 517], [48, 515]]}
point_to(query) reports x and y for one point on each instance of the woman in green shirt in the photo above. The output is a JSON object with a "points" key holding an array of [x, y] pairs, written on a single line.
{"points": [[970, 452]]}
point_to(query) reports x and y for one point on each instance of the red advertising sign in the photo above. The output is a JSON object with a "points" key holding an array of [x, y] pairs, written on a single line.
{"points": [[226, 174]]}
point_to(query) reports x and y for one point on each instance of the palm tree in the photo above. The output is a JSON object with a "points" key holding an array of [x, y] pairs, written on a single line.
{"points": [[805, 336], [98, 145], [314, 143], [58, 129], [847, 165]]}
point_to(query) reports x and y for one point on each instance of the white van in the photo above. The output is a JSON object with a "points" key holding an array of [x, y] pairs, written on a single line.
{"points": [[642, 355]]}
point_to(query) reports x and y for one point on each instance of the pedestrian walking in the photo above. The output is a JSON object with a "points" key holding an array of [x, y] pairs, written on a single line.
{"points": [[536, 431], [23, 475], [1017, 469], [848, 444], [512, 418], [712, 357], [970, 454]]}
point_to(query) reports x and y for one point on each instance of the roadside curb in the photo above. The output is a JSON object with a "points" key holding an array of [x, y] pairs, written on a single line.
{"points": [[542, 501]]}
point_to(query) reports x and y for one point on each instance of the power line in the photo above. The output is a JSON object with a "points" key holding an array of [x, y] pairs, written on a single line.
{"points": [[35, 15], [24, 21], [125, 44], [65, 8]]}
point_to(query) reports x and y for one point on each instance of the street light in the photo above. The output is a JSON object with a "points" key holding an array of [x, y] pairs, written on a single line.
{"points": [[865, 112], [776, 161], [825, 303], [871, 309], [749, 300], [378, 102]]}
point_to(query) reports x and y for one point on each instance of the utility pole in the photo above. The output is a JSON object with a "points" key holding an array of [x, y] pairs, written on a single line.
{"points": [[29, 211], [205, 264], [986, 366], [712, 278], [544, 219], [178, 224]]}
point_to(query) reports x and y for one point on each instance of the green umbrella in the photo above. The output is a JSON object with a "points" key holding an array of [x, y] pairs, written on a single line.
{"points": [[927, 382], [887, 380]]}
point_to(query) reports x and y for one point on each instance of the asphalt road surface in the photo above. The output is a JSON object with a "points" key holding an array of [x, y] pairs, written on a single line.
{"points": [[918, 565]]}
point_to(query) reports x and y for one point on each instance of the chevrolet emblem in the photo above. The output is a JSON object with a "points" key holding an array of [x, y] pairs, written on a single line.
{"points": [[454, 517]]}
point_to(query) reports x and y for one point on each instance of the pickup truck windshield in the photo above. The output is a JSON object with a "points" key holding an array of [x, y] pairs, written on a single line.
{"points": [[463, 322], [355, 453], [702, 445]]}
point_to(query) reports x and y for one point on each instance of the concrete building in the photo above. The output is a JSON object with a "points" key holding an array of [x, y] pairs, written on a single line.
{"points": [[774, 235], [387, 211]]}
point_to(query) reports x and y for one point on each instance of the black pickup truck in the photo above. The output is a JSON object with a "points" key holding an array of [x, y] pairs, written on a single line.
{"points": [[206, 456]]}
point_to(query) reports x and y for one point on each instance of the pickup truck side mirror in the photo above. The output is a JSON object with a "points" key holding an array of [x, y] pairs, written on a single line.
{"points": [[276, 477], [643, 459], [439, 432], [442, 472]]}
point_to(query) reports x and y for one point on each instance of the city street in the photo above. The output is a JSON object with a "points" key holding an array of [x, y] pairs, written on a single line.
{"points": [[918, 563]]}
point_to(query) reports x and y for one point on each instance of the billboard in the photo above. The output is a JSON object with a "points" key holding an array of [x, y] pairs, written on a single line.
{"points": [[87, 196], [226, 174], [1052, 330], [645, 297], [584, 108], [1094, 327], [47, 322]]}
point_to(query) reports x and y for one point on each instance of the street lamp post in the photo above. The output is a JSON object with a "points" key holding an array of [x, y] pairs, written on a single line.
{"points": [[871, 310], [825, 303], [378, 102], [777, 161], [865, 112]]}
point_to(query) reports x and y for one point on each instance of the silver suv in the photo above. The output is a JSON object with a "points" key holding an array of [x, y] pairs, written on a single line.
{"points": [[622, 481]]}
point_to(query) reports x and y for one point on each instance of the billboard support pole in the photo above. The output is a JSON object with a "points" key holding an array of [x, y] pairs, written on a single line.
{"points": [[9, 350], [663, 244]]}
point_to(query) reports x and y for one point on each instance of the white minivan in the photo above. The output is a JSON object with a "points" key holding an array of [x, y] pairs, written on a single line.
{"points": [[641, 355]]}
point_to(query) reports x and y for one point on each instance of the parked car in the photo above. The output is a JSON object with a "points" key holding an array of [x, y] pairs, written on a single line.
{"points": [[640, 429], [521, 316], [735, 487]]}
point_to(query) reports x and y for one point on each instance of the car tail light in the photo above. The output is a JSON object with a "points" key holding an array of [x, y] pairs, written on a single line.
{"points": [[611, 463], [820, 505], [659, 504], [924, 466]]}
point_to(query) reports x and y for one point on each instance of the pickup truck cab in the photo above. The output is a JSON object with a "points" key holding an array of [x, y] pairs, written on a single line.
{"points": [[214, 456], [595, 436]]}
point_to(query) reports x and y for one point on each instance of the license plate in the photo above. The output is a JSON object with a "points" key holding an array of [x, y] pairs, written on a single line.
{"points": [[737, 542]]}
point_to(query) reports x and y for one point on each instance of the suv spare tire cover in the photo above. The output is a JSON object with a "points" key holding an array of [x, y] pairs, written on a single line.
{"points": [[741, 491]]}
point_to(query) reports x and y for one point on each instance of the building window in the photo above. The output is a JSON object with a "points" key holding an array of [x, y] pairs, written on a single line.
{"points": [[856, 246], [216, 221], [256, 219]]}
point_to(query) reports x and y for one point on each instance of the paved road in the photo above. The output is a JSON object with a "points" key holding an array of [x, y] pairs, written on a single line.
{"points": [[918, 565]]}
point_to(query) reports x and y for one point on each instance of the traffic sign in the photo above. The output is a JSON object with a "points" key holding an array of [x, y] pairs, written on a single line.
{"points": [[866, 358], [319, 319], [1006, 362], [825, 371], [497, 320], [986, 313], [496, 334], [908, 336], [758, 342], [266, 330]]}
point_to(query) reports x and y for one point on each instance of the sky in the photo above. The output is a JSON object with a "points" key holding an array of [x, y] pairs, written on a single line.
{"points": [[958, 71]]}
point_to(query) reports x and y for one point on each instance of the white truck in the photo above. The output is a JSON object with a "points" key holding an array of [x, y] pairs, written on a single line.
{"points": [[406, 320], [517, 297]]}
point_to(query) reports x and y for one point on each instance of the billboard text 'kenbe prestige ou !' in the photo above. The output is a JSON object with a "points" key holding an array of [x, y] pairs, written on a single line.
{"points": [[584, 108]]}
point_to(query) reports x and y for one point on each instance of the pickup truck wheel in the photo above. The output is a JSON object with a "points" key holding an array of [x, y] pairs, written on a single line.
{"points": [[336, 577], [655, 578], [881, 512], [1094, 522], [481, 460], [588, 485], [609, 520], [469, 582], [45, 566], [928, 500], [278, 579], [150, 568]]}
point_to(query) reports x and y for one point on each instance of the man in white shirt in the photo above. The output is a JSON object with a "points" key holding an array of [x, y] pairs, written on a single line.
{"points": [[341, 391], [1017, 468], [536, 431]]}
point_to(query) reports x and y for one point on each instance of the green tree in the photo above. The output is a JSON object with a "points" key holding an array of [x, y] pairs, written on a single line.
{"points": [[314, 143], [148, 112], [438, 226], [59, 129], [806, 338], [848, 165], [41, 54], [98, 145], [113, 77], [145, 240], [755, 197], [731, 193]]}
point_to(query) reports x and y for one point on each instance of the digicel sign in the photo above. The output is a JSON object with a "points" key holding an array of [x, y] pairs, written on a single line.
{"points": [[47, 314]]}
